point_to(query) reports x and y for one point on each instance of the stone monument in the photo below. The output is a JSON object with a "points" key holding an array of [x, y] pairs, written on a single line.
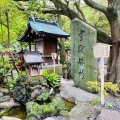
{"points": [[83, 64]]}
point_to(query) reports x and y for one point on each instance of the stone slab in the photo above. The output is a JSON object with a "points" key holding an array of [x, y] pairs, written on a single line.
{"points": [[9, 104], [76, 95], [83, 64], [9, 118]]}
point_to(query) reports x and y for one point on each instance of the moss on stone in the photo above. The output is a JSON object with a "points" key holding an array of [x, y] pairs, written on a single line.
{"points": [[45, 110]]}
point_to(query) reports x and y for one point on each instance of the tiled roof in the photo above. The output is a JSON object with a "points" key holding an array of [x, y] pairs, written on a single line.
{"points": [[43, 27], [33, 57]]}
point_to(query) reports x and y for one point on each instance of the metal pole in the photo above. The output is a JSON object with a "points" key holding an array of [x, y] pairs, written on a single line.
{"points": [[102, 80]]}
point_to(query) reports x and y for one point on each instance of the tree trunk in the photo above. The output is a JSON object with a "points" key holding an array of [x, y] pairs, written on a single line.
{"points": [[62, 51], [114, 59], [113, 64], [2, 31], [61, 45], [7, 18]]}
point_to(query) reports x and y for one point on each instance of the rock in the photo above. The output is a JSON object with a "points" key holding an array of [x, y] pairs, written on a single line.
{"points": [[28, 88], [9, 118], [108, 115], [83, 112], [76, 95], [56, 118], [2, 99], [83, 63], [66, 82], [1, 94], [45, 110], [49, 118], [9, 104], [37, 117]]}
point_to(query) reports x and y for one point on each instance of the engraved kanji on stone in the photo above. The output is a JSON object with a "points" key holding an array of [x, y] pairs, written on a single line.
{"points": [[81, 61], [81, 48], [74, 48], [81, 74], [81, 34]]}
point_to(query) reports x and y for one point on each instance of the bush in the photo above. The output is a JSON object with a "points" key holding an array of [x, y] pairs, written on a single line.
{"points": [[53, 79], [108, 86]]}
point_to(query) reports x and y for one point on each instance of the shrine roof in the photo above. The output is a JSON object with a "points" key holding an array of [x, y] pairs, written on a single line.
{"points": [[43, 27], [33, 57]]}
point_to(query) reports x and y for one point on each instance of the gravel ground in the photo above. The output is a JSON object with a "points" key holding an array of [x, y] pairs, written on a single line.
{"points": [[112, 103]]}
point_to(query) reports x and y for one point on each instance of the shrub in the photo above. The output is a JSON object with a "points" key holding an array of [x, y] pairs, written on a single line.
{"points": [[108, 86], [94, 85], [53, 79]]}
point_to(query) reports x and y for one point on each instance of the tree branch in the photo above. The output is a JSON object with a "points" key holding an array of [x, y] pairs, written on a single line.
{"points": [[103, 38], [67, 2], [80, 11], [20, 7], [96, 6], [65, 9], [3, 24], [14, 62], [59, 12]]}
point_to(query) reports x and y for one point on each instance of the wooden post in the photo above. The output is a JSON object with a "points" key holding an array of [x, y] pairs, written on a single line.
{"points": [[30, 46], [54, 55], [54, 64], [101, 51]]}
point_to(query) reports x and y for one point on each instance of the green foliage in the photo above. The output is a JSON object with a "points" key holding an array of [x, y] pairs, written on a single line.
{"points": [[96, 102], [12, 84], [56, 107], [17, 22], [109, 105], [5, 65], [43, 97], [64, 113], [96, 18], [58, 103], [64, 66], [53, 79], [9, 86], [22, 74], [67, 45], [108, 86], [94, 85], [33, 108], [49, 110]]}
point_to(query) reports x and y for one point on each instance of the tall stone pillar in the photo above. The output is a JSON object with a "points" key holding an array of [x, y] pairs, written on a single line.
{"points": [[83, 64]]}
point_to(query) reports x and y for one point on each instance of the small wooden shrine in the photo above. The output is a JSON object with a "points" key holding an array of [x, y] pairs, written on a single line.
{"points": [[33, 62], [42, 36]]}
